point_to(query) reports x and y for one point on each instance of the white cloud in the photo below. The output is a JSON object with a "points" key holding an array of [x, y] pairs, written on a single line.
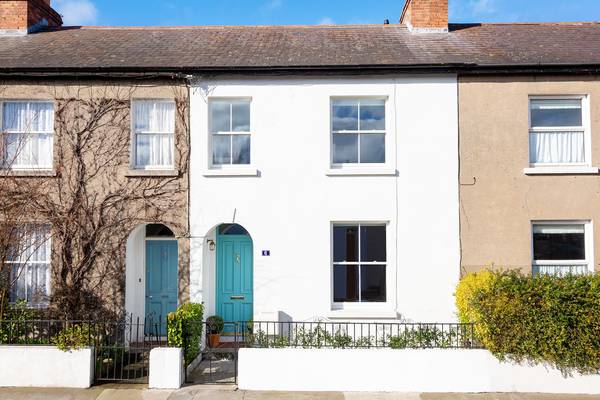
{"points": [[77, 12], [326, 21]]}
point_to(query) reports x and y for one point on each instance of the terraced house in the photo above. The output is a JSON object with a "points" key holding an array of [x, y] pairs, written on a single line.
{"points": [[295, 173]]}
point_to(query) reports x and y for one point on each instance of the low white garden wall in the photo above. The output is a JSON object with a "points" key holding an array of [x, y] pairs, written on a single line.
{"points": [[166, 368], [45, 366], [387, 370]]}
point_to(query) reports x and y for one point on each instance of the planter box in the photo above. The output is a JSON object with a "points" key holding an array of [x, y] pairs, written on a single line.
{"points": [[387, 370], [45, 366]]}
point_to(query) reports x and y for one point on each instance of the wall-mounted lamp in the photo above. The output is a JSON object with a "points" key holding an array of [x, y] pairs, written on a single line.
{"points": [[211, 245]]}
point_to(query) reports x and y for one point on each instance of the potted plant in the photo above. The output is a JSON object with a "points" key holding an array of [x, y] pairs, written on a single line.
{"points": [[214, 328]]}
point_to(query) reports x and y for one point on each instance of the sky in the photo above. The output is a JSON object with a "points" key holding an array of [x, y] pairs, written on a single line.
{"points": [[310, 12]]}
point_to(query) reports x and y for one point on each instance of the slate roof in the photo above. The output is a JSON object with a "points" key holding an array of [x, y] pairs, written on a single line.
{"points": [[301, 47]]}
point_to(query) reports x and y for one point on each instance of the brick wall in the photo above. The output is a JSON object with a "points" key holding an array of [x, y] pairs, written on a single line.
{"points": [[13, 14], [23, 14], [426, 14]]}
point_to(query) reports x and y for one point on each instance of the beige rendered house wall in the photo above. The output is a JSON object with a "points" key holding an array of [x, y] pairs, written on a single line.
{"points": [[498, 201], [172, 208]]}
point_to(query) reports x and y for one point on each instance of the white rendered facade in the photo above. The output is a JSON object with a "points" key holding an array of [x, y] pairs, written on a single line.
{"points": [[291, 195]]}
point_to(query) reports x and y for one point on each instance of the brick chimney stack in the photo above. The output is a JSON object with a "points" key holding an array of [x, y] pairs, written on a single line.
{"points": [[20, 17], [425, 15]]}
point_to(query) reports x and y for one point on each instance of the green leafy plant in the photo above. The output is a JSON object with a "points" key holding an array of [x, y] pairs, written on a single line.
{"points": [[14, 328], [543, 319], [215, 325], [423, 337], [74, 337], [184, 329]]}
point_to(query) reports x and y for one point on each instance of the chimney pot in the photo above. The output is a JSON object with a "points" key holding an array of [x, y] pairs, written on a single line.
{"points": [[425, 15], [20, 17]]}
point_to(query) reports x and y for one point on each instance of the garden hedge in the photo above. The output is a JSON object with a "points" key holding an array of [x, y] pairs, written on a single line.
{"points": [[543, 319]]}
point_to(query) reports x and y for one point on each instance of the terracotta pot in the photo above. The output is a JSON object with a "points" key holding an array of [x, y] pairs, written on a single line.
{"points": [[214, 339]]}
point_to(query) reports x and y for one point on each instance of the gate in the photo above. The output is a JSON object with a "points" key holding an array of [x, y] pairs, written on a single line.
{"points": [[122, 349], [218, 363]]}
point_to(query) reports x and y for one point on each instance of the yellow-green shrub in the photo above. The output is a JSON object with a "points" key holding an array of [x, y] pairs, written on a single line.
{"points": [[184, 328], [535, 319]]}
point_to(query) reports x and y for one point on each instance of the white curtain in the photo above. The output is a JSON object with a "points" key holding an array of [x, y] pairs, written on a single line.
{"points": [[31, 268], [557, 147], [154, 150], [154, 125], [29, 134]]}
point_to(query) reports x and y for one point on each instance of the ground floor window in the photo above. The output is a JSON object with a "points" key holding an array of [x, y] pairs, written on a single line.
{"points": [[29, 265], [561, 248], [359, 263]]}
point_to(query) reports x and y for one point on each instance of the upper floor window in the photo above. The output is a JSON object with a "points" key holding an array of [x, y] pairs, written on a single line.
{"points": [[561, 248], [359, 263], [29, 265], [557, 131], [230, 131], [358, 131], [27, 134], [154, 131]]}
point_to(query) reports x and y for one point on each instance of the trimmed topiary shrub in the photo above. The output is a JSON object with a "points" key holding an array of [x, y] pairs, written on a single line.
{"points": [[184, 329], [543, 319]]}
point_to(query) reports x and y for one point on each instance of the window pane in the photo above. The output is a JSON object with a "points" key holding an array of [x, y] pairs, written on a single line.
{"points": [[559, 242], [372, 283], [345, 283], [345, 148], [344, 115], [345, 243], [154, 150], [32, 273], [556, 112], [557, 147], [220, 116], [27, 117], [221, 149], [241, 116], [372, 148], [372, 115], [155, 116], [241, 149], [372, 243]]}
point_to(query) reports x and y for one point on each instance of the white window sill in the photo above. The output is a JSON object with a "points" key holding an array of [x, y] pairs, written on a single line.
{"points": [[366, 171], [231, 172], [151, 172], [362, 314], [563, 170], [27, 172]]}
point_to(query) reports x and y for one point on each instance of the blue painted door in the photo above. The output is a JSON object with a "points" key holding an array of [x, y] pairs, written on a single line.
{"points": [[234, 278], [161, 279]]}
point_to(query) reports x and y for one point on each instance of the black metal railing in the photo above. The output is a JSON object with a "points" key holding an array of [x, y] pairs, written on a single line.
{"points": [[347, 335]]}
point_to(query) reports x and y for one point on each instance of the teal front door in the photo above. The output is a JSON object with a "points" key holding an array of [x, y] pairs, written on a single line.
{"points": [[161, 279], [235, 282]]}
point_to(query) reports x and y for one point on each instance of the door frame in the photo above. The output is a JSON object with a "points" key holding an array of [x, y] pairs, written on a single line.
{"points": [[218, 238]]}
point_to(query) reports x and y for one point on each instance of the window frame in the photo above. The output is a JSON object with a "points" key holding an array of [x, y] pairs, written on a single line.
{"points": [[588, 242], [231, 133], [28, 264], [134, 134], [585, 128], [52, 133], [359, 132], [337, 305]]}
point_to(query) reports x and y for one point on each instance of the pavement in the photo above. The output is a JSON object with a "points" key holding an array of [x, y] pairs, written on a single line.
{"points": [[230, 392]]}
